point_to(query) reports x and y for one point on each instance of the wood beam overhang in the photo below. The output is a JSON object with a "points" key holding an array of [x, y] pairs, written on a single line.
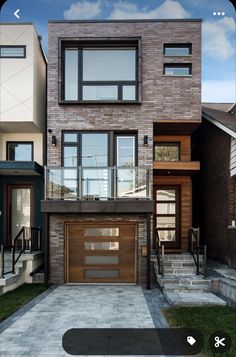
{"points": [[176, 167]]}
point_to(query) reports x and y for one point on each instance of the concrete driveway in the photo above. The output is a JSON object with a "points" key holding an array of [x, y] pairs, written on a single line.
{"points": [[38, 331]]}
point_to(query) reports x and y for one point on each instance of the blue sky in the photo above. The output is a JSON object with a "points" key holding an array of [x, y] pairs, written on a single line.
{"points": [[218, 42]]}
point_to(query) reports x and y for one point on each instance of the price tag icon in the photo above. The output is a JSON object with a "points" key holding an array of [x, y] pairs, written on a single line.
{"points": [[191, 340]]}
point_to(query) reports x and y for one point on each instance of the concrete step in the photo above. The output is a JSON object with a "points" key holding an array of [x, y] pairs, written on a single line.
{"points": [[193, 298], [181, 257], [38, 278], [187, 287], [9, 279], [180, 271]]}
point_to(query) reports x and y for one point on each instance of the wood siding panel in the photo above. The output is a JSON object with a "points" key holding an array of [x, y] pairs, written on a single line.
{"points": [[176, 165]]}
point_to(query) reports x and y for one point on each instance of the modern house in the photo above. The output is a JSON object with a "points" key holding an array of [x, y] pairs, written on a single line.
{"points": [[22, 123], [216, 148], [124, 97]]}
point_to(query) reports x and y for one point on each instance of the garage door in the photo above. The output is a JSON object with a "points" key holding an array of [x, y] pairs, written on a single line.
{"points": [[103, 252]]}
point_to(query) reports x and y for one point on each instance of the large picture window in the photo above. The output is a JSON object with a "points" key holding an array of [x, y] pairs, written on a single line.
{"points": [[100, 73]]}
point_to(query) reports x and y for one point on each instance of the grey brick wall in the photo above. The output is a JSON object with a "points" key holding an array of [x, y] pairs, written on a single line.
{"points": [[163, 97]]}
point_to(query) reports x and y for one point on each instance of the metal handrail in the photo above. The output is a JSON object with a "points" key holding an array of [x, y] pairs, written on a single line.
{"points": [[160, 253], [26, 245], [196, 249]]}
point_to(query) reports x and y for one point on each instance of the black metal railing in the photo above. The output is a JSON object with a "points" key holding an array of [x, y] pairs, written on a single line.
{"points": [[28, 239], [199, 252], [160, 253]]}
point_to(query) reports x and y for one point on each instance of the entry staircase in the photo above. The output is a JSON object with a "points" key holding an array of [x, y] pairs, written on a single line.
{"points": [[182, 277], [21, 262]]}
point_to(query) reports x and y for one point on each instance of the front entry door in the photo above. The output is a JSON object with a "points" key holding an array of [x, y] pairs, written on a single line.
{"points": [[19, 209], [167, 215]]}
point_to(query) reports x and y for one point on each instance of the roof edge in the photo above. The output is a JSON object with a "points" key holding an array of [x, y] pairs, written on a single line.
{"points": [[219, 125], [125, 20]]}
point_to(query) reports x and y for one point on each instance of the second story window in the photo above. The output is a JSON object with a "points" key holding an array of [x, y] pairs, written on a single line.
{"points": [[20, 151], [167, 152], [12, 51], [100, 74]]}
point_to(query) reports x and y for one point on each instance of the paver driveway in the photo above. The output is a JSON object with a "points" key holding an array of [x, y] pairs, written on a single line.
{"points": [[39, 331]]}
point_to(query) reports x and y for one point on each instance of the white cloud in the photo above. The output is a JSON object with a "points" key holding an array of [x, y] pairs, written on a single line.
{"points": [[216, 38], [218, 91], [169, 9], [83, 10]]}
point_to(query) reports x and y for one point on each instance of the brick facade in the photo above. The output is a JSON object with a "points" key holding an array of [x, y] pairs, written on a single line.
{"points": [[162, 98], [217, 193]]}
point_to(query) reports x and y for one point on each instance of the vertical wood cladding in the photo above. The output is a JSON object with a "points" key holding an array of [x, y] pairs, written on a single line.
{"points": [[217, 193]]}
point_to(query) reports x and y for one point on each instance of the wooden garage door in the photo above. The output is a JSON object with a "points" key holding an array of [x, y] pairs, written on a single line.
{"points": [[103, 252]]}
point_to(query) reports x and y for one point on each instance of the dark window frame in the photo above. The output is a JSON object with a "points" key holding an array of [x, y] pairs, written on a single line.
{"points": [[111, 144], [83, 43], [178, 222], [177, 45], [19, 142], [13, 46], [177, 65], [167, 143]]}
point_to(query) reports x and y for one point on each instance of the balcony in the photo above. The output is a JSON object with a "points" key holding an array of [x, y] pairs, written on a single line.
{"points": [[103, 183]]}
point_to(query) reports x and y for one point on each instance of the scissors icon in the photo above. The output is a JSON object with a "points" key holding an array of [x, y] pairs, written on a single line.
{"points": [[219, 342]]}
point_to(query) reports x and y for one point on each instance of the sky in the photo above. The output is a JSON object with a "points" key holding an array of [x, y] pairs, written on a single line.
{"points": [[218, 29]]}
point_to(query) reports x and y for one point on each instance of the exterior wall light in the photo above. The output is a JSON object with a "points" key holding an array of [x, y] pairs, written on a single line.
{"points": [[145, 140], [54, 140]]}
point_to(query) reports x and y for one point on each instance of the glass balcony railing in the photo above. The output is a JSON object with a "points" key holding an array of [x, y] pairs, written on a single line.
{"points": [[100, 183]]}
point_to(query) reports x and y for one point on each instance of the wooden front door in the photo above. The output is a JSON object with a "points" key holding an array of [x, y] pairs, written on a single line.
{"points": [[100, 252], [167, 215], [19, 209]]}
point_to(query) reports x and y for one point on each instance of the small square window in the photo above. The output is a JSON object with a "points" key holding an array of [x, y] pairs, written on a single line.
{"points": [[19, 151], [167, 152]]}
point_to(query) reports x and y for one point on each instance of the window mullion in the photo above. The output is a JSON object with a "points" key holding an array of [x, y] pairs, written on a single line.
{"points": [[80, 74]]}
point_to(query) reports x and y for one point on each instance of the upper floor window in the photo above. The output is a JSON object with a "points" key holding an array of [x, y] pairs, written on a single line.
{"points": [[177, 49], [100, 73], [174, 69], [20, 151], [167, 152], [12, 51]]}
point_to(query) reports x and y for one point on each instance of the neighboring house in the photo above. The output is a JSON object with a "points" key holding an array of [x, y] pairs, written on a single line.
{"points": [[215, 143], [22, 124], [124, 97]]}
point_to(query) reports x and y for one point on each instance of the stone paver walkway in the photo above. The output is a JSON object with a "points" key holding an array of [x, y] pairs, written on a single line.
{"points": [[39, 331]]}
